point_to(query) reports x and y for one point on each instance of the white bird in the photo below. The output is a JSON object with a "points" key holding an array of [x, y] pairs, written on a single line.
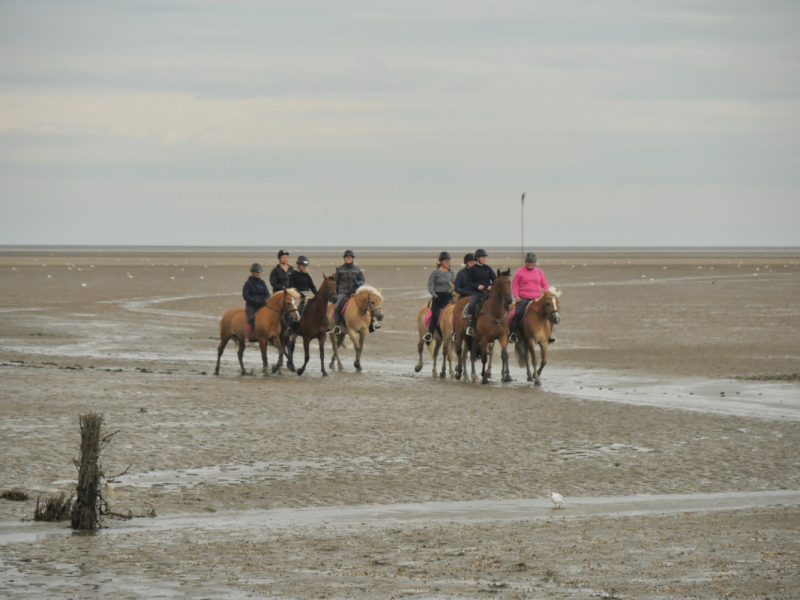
{"points": [[556, 498]]}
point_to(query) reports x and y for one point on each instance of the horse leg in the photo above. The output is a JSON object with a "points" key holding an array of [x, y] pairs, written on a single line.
{"points": [[336, 341], [473, 356], [530, 357], [490, 356], [222, 343], [306, 344], [321, 340], [276, 368], [358, 345], [262, 344], [420, 348], [506, 374], [484, 358], [543, 348], [290, 353], [240, 354], [449, 356], [436, 349], [459, 364]]}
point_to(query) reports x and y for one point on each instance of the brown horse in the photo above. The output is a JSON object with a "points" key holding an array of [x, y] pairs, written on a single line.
{"points": [[267, 327], [314, 324], [443, 342], [459, 337], [364, 309], [535, 329], [491, 324]]}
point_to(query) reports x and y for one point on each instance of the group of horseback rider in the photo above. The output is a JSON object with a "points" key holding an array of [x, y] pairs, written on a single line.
{"points": [[475, 281], [255, 293]]}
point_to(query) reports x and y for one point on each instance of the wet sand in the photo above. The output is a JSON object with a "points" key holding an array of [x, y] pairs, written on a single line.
{"points": [[663, 418]]}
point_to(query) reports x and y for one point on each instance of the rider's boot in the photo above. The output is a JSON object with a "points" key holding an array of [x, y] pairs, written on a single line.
{"points": [[552, 340], [470, 330]]}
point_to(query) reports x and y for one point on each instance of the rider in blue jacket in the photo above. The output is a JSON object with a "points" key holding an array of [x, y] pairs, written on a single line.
{"points": [[461, 277], [255, 294]]}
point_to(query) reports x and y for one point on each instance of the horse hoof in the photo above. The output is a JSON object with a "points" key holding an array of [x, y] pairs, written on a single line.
{"points": [[418, 368], [538, 383], [484, 381], [507, 379], [216, 373], [300, 372], [324, 374], [457, 376], [291, 368], [274, 369], [530, 379]]}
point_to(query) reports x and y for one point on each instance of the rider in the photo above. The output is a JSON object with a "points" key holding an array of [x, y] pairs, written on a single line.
{"points": [[527, 286], [300, 279], [480, 278], [255, 294], [440, 286], [279, 277], [348, 278], [461, 278]]}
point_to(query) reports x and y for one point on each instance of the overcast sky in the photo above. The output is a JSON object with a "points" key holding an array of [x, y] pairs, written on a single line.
{"points": [[400, 123]]}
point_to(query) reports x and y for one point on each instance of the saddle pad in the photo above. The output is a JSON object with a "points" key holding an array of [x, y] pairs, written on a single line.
{"points": [[344, 307], [427, 320], [514, 311]]}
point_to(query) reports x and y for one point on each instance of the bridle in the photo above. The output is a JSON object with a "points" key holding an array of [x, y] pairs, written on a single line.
{"points": [[550, 315], [506, 298], [283, 312], [369, 307]]}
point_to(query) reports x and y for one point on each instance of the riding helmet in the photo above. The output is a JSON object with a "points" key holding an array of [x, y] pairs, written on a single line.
{"points": [[469, 257], [530, 257], [282, 253], [349, 253], [480, 252], [302, 260], [256, 268], [444, 256]]}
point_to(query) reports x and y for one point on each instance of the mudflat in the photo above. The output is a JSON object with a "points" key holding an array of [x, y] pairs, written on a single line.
{"points": [[668, 417]]}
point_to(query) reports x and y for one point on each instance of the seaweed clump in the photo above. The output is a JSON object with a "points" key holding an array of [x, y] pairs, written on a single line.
{"points": [[53, 508], [17, 495]]}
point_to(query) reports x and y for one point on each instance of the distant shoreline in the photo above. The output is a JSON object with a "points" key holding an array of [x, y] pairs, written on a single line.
{"points": [[296, 249]]}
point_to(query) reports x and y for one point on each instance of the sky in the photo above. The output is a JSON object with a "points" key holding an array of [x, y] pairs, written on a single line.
{"points": [[626, 123]]}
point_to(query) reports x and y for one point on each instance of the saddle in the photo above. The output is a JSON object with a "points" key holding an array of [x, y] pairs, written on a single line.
{"points": [[513, 312], [478, 306]]}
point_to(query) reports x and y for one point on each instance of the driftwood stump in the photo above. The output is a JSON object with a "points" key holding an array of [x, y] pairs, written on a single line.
{"points": [[85, 511]]}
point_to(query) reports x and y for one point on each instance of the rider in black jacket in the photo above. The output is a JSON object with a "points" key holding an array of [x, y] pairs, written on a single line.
{"points": [[255, 294], [300, 279], [348, 279], [279, 277], [461, 277], [480, 278]]}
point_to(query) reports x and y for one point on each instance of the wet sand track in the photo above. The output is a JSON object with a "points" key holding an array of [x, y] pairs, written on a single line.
{"points": [[681, 481]]}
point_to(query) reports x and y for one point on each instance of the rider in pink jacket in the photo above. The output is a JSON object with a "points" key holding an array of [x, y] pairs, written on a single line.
{"points": [[527, 286]]}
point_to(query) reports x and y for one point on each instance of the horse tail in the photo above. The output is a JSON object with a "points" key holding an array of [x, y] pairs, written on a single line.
{"points": [[519, 350]]}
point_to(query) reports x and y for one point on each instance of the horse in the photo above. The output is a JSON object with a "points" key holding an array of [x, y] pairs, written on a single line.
{"points": [[363, 309], [535, 329], [443, 342], [314, 324], [459, 337], [267, 327], [491, 323]]}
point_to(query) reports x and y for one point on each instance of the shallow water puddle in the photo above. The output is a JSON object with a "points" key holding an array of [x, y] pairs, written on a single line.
{"points": [[388, 515]]}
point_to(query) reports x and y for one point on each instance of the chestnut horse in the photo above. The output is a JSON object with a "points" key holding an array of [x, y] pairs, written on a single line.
{"points": [[491, 323], [459, 337], [443, 342], [314, 324], [267, 327], [535, 329], [363, 309]]}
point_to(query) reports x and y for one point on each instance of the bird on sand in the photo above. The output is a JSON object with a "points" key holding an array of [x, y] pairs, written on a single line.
{"points": [[556, 498]]}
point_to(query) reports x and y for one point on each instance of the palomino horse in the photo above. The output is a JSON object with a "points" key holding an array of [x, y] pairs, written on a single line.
{"points": [[362, 310], [491, 323], [267, 327], [314, 324], [460, 342], [443, 342], [535, 329]]}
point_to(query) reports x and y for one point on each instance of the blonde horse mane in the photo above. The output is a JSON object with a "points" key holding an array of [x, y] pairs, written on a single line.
{"points": [[370, 289], [293, 293], [555, 291]]}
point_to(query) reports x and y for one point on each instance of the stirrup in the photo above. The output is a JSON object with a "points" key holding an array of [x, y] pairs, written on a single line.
{"points": [[336, 330], [552, 340], [470, 330], [513, 337], [428, 338]]}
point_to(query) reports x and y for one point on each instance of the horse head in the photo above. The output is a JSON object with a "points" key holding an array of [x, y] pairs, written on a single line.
{"points": [[374, 302], [502, 286], [550, 300], [290, 303], [328, 288]]}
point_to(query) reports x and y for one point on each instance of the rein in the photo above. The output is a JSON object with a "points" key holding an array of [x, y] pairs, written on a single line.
{"points": [[497, 321]]}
